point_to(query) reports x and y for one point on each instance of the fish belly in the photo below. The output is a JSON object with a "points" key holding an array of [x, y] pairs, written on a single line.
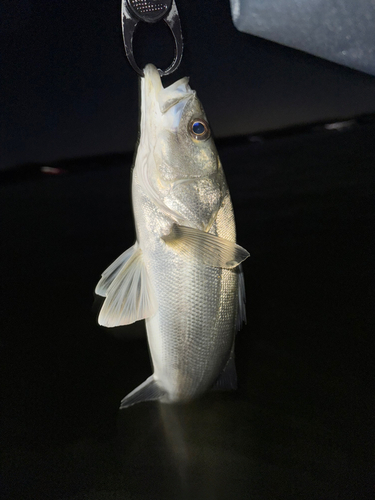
{"points": [[191, 335]]}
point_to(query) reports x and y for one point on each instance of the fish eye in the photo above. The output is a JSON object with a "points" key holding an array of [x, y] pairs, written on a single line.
{"points": [[199, 130]]}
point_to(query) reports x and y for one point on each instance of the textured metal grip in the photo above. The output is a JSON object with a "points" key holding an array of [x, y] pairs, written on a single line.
{"points": [[149, 11]]}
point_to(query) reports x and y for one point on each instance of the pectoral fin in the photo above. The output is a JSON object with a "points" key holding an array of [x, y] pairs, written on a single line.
{"points": [[130, 295], [204, 247]]}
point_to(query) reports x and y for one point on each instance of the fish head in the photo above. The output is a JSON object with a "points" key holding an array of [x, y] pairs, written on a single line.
{"points": [[176, 129]]}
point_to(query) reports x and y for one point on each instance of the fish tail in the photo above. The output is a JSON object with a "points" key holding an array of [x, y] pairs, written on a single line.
{"points": [[149, 390]]}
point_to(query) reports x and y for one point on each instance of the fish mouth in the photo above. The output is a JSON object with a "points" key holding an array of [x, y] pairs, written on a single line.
{"points": [[153, 90]]}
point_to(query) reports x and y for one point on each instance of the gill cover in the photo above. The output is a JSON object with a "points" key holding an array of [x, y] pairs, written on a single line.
{"points": [[168, 151]]}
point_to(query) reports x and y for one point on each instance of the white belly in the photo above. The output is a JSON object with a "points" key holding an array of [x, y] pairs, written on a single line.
{"points": [[192, 333]]}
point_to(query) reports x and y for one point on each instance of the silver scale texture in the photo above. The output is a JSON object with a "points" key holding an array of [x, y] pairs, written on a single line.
{"points": [[191, 335], [185, 279]]}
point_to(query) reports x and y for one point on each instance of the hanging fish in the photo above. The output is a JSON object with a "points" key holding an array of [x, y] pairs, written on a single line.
{"points": [[183, 274]]}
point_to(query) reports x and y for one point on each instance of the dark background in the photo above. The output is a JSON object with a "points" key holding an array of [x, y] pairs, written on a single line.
{"points": [[67, 90], [300, 424]]}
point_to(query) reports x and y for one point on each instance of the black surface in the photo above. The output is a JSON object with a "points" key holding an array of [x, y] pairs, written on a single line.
{"points": [[68, 91], [299, 425]]}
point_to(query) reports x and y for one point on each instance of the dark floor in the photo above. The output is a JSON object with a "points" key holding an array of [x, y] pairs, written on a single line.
{"points": [[300, 424]]}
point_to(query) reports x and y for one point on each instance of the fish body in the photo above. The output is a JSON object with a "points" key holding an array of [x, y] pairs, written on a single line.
{"points": [[183, 274]]}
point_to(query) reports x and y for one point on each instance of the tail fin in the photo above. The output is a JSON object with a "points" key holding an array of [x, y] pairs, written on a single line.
{"points": [[147, 391]]}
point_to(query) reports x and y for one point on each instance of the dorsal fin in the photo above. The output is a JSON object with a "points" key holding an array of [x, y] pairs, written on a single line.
{"points": [[241, 311]]}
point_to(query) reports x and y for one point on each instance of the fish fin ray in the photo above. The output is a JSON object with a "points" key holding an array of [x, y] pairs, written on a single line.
{"points": [[241, 311], [131, 296], [149, 390], [204, 247], [227, 380], [112, 271]]}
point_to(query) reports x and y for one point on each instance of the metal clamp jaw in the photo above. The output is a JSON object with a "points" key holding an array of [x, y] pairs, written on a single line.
{"points": [[151, 11]]}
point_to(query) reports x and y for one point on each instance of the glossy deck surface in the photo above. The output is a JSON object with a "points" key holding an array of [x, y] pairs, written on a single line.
{"points": [[298, 427]]}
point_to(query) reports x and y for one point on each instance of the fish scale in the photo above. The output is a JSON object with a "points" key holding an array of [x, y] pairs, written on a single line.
{"points": [[183, 274], [196, 342]]}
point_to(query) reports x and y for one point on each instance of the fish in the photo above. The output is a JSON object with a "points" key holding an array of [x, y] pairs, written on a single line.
{"points": [[183, 275]]}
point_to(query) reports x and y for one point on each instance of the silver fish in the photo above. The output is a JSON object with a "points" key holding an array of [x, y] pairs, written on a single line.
{"points": [[183, 274]]}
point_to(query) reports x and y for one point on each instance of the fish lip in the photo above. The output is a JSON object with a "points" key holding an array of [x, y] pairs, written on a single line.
{"points": [[152, 78], [166, 97]]}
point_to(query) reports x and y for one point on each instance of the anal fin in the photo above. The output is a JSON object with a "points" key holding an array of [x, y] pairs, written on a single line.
{"points": [[130, 296], [112, 271], [147, 391]]}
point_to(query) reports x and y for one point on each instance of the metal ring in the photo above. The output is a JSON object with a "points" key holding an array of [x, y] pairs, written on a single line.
{"points": [[129, 24]]}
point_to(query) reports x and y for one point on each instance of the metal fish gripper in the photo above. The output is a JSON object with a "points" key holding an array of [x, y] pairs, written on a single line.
{"points": [[151, 11]]}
